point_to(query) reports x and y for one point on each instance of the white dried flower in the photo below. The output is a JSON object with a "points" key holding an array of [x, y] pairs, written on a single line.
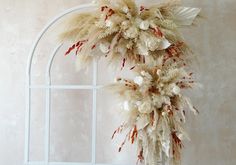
{"points": [[166, 147], [148, 42], [109, 23], [145, 42], [153, 43], [104, 47], [138, 103], [122, 49], [158, 72], [142, 49], [146, 75], [163, 113], [172, 89], [131, 32], [180, 136], [159, 100], [145, 107], [161, 85], [143, 73], [144, 25], [138, 21], [129, 45], [125, 9], [164, 44], [126, 106], [125, 24], [176, 90], [138, 80]]}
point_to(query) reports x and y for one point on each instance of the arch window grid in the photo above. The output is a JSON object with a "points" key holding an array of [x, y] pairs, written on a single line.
{"points": [[48, 88]]}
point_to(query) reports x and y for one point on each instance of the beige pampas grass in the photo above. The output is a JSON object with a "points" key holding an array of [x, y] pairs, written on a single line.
{"points": [[134, 33], [148, 39]]}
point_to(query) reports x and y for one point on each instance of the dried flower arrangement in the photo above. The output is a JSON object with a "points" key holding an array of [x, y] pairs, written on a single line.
{"points": [[124, 32], [155, 109], [148, 38]]}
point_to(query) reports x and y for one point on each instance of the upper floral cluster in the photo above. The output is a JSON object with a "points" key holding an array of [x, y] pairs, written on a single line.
{"points": [[122, 30]]}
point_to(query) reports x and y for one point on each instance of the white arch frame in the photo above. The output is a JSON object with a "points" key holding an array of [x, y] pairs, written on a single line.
{"points": [[94, 87], [48, 88]]}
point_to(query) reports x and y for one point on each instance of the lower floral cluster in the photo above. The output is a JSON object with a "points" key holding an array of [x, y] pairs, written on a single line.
{"points": [[154, 109]]}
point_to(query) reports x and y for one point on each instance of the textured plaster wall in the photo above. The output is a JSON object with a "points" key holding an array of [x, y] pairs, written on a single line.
{"points": [[213, 132]]}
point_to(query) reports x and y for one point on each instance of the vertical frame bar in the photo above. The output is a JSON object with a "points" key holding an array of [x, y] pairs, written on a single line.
{"points": [[47, 124], [94, 117], [27, 123], [48, 106]]}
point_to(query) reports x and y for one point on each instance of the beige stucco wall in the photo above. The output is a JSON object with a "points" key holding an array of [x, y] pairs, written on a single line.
{"points": [[213, 132]]}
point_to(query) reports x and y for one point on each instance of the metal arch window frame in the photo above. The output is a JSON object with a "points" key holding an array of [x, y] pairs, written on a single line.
{"points": [[48, 88], [94, 87]]}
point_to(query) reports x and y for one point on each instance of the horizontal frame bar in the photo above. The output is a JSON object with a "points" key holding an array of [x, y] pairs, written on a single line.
{"points": [[69, 163], [66, 87]]}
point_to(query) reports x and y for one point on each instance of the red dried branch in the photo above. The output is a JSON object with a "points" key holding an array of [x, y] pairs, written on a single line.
{"points": [[123, 63], [175, 49], [123, 143], [118, 130], [157, 32], [152, 118], [94, 46], [132, 68], [140, 157], [142, 8], [77, 46], [134, 134], [69, 50], [176, 139], [103, 8], [131, 136]]}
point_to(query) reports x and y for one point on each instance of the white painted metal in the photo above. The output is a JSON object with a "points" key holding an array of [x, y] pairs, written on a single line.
{"points": [[66, 163], [65, 87], [48, 107], [48, 88], [94, 120]]}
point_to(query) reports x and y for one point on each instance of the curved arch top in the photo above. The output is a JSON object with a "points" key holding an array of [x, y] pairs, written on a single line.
{"points": [[50, 24]]}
